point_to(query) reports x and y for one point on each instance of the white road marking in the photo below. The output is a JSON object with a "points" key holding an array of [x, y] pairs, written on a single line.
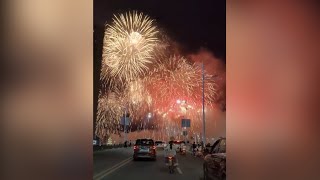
{"points": [[112, 169], [179, 170]]}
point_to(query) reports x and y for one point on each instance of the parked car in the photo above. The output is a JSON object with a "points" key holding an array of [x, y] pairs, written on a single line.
{"points": [[177, 145], [214, 166], [165, 144], [159, 144], [144, 148]]}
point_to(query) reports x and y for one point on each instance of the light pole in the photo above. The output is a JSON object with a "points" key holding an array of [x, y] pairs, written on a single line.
{"points": [[203, 113], [144, 129], [185, 128], [149, 116], [125, 124]]}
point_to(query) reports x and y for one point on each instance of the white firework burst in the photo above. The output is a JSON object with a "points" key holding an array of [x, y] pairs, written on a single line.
{"points": [[128, 45]]}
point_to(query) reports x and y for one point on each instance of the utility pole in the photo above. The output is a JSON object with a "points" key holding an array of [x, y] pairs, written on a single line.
{"points": [[125, 125], [203, 113]]}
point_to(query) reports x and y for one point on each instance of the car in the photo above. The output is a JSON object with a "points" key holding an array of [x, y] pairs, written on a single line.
{"points": [[165, 144], [144, 148], [177, 145], [159, 144], [214, 166]]}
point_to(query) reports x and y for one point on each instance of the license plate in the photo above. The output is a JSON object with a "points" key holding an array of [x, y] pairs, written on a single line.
{"points": [[144, 149]]}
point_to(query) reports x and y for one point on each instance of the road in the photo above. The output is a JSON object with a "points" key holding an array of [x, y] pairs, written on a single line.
{"points": [[117, 164]]}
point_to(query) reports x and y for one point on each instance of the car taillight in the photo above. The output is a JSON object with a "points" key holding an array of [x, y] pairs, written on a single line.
{"points": [[153, 147], [135, 147], [170, 157]]}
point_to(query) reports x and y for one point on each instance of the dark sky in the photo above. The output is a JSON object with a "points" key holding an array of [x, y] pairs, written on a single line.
{"points": [[194, 24]]}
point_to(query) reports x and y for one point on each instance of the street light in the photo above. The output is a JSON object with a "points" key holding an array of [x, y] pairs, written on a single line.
{"points": [[149, 115], [203, 113], [125, 124]]}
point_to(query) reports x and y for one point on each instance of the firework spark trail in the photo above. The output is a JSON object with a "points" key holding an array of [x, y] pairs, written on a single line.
{"points": [[128, 45], [109, 111], [111, 106], [176, 79], [173, 79]]}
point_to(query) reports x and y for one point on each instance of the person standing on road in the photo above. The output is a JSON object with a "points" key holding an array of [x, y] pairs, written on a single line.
{"points": [[194, 146]]}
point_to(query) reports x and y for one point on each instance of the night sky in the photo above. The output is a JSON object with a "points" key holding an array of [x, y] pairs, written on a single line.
{"points": [[194, 24]]}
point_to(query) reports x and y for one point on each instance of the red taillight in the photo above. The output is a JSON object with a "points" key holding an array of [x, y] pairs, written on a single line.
{"points": [[170, 157], [135, 147], [153, 147]]}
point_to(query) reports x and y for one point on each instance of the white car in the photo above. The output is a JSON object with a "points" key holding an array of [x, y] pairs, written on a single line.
{"points": [[177, 145], [159, 144]]}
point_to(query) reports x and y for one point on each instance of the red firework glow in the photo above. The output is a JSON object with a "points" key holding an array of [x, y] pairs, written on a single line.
{"points": [[170, 90]]}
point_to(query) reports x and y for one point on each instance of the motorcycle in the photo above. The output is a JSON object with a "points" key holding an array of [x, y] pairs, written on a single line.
{"points": [[183, 150], [199, 152], [171, 164]]}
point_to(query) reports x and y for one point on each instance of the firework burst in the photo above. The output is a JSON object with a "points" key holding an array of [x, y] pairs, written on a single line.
{"points": [[128, 46], [108, 114], [176, 78], [137, 99]]}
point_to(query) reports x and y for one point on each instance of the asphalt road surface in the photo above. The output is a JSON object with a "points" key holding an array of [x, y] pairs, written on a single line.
{"points": [[117, 164]]}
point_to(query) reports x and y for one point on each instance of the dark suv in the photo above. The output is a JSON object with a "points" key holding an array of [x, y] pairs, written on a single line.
{"points": [[144, 148]]}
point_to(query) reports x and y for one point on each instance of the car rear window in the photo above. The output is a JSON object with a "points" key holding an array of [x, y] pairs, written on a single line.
{"points": [[222, 148], [145, 142], [219, 146]]}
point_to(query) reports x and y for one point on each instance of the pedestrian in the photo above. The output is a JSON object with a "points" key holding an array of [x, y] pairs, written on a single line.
{"points": [[194, 146]]}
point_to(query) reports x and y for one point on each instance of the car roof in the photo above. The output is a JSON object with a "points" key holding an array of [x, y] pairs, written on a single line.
{"points": [[219, 138], [222, 155]]}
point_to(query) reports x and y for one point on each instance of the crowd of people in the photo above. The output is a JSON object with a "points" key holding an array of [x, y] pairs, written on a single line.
{"points": [[127, 143], [199, 150]]}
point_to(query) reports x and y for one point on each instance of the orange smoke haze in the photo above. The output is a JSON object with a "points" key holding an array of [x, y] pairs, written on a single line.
{"points": [[215, 67]]}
